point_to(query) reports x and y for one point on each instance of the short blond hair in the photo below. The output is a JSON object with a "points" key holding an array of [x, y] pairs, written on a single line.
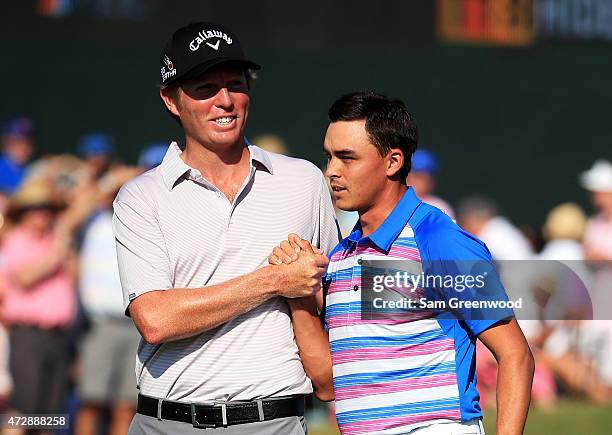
{"points": [[565, 221]]}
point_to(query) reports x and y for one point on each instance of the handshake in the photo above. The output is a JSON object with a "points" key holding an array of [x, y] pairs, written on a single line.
{"points": [[300, 267]]}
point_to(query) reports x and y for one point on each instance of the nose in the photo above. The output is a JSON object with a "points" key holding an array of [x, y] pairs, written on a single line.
{"points": [[331, 170], [224, 99]]}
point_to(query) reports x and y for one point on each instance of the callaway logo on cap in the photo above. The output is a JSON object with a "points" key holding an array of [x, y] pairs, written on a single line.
{"points": [[197, 47]]}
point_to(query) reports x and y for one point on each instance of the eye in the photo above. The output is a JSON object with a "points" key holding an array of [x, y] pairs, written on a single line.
{"points": [[237, 86], [206, 87]]}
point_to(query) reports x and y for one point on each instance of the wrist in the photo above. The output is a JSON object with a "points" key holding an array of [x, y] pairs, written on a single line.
{"points": [[271, 277]]}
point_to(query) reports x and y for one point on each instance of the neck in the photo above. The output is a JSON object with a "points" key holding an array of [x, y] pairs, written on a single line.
{"points": [[214, 164], [374, 216]]}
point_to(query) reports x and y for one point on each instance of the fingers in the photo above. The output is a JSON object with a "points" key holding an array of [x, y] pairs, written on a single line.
{"points": [[274, 260], [321, 260], [289, 250], [294, 240], [281, 255], [305, 246], [301, 244]]}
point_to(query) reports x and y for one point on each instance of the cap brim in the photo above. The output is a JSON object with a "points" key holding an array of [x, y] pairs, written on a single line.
{"points": [[16, 209], [203, 67]]}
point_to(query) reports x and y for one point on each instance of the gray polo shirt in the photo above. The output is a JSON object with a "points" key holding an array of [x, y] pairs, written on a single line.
{"points": [[174, 229]]}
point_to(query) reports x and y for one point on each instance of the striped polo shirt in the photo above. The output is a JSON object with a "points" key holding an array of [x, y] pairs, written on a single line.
{"points": [[174, 229], [395, 374]]}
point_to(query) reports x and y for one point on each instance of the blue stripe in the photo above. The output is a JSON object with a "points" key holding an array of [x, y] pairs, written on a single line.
{"points": [[406, 242], [385, 341], [340, 275], [356, 379], [397, 410], [344, 308]]}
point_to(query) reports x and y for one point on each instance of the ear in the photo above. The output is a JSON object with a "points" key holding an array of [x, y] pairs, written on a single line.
{"points": [[395, 161], [169, 98]]}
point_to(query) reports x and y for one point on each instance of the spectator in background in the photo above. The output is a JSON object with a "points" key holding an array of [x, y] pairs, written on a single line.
{"points": [[40, 303], [17, 148], [563, 340], [108, 350], [97, 150], [480, 217], [272, 143], [422, 178], [598, 235], [598, 251], [563, 230], [152, 156]]}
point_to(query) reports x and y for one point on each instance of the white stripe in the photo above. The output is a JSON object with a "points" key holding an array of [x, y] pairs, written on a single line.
{"points": [[351, 261], [343, 297], [407, 232], [427, 425], [371, 329], [392, 399], [388, 365]]}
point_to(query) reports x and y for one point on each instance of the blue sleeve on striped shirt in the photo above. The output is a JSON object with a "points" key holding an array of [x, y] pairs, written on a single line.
{"points": [[454, 255], [448, 250]]}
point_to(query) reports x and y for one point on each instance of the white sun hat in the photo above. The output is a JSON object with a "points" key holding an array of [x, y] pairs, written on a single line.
{"points": [[598, 178]]}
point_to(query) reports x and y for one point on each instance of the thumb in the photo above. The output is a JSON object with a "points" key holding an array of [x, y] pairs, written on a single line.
{"points": [[321, 260]]}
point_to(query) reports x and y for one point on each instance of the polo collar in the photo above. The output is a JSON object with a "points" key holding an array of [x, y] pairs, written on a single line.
{"points": [[392, 226], [173, 167]]}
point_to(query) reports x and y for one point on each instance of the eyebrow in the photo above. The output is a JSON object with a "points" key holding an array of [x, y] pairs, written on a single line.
{"points": [[341, 152], [345, 152]]}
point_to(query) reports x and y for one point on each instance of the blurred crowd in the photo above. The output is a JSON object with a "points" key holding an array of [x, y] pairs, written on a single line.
{"points": [[66, 345]]}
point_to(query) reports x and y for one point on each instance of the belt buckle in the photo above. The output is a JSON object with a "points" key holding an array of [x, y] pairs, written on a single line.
{"points": [[196, 424]]}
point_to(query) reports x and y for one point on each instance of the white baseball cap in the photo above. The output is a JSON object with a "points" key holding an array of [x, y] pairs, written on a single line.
{"points": [[598, 178]]}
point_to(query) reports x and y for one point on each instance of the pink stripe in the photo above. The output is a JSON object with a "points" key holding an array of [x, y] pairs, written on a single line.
{"points": [[338, 256], [404, 252], [389, 319], [396, 253], [388, 423], [343, 285], [392, 352], [395, 386]]}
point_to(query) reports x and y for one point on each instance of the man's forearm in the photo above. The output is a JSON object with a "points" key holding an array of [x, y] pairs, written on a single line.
{"points": [[514, 379], [28, 275], [313, 344], [173, 314]]}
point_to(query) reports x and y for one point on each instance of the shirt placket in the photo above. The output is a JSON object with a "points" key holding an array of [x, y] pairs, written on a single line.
{"points": [[354, 314]]}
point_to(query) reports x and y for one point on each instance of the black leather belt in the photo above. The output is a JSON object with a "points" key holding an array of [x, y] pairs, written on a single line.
{"points": [[221, 414]]}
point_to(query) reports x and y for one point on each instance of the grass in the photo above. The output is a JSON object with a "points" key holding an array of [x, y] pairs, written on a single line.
{"points": [[570, 417]]}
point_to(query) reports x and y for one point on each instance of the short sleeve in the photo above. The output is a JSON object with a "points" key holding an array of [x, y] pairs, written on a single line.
{"points": [[459, 271], [141, 252]]}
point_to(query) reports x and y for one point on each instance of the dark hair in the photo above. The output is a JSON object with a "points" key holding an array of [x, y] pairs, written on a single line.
{"points": [[388, 122]]}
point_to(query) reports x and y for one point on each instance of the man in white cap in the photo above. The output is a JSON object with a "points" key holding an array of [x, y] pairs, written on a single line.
{"points": [[597, 244], [598, 235]]}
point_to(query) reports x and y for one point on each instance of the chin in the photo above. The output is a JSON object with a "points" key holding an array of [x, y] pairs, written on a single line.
{"points": [[345, 206], [226, 140]]}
